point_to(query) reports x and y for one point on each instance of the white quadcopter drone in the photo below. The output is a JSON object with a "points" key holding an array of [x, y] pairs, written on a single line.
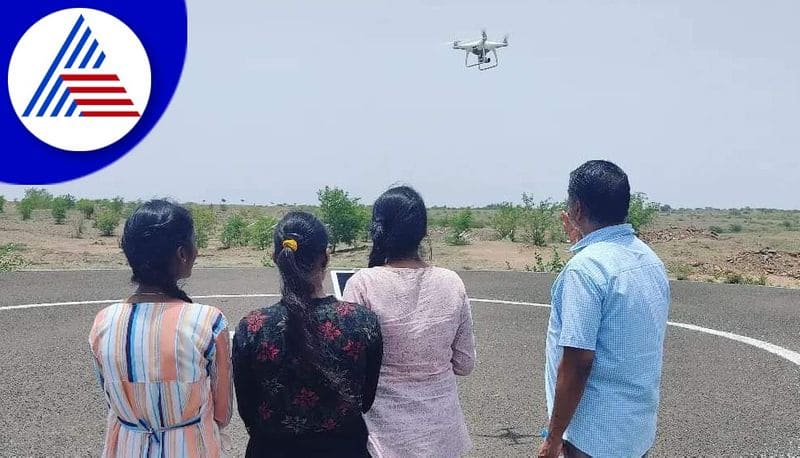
{"points": [[481, 48]]}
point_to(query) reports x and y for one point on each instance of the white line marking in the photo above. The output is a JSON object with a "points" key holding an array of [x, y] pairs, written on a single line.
{"points": [[788, 355]]}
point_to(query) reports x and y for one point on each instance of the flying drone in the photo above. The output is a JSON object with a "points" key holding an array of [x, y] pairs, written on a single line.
{"points": [[481, 48]]}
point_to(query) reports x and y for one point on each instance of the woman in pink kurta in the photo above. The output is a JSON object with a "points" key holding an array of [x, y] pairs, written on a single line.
{"points": [[427, 332]]}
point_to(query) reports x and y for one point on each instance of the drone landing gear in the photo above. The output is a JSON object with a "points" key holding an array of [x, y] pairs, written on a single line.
{"points": [[483, 62]]}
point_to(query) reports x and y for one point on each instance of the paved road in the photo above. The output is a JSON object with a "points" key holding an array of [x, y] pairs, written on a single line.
{"points": [[719, 397]]}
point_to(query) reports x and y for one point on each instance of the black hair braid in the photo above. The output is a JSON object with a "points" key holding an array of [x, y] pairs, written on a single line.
{"points": [[298, 285]]}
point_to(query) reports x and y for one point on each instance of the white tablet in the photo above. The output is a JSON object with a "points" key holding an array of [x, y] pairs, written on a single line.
{"points": [[339, 279]]}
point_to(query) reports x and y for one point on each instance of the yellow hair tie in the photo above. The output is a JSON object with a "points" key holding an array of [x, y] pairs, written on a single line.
{"points": [[290, 244]]}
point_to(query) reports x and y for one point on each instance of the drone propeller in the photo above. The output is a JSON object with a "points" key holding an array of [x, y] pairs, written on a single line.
{"points": [[505, 39], [483, 34]]}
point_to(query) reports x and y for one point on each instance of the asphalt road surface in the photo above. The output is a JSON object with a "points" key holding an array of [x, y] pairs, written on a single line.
{"points": [[720, 397]]}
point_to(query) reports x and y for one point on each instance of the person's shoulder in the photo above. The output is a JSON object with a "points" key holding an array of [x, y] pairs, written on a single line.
{"points": [[446, 275], [266, 312]]}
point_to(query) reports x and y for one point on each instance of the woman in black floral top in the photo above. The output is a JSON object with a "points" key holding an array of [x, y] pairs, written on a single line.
{"points": [[307, 367]]}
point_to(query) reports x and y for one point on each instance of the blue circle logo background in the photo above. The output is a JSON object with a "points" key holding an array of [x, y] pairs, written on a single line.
{"points": [[161, 26]]}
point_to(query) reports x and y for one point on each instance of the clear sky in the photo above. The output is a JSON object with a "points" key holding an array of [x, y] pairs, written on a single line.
{"points": [[698, 100]]}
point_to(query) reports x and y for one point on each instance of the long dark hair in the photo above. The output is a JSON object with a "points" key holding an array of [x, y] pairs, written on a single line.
{"points": [[152, 234], [301, 242], [399, 223]]}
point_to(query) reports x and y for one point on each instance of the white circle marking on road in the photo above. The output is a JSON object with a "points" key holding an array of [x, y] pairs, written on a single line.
{"points": [[789, 355]]}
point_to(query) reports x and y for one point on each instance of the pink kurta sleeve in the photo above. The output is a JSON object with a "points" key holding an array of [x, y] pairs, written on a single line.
{"points": [[464, 342], [354, 291]]}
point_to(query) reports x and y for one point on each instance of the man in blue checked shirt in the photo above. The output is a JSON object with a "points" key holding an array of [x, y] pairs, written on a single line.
{"points": [[605, 338]]}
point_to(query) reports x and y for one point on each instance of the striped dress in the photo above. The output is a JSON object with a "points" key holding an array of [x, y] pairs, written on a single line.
{"points": [[165, 370]]}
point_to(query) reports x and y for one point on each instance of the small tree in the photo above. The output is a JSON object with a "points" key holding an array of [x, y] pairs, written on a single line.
{"points": [[459, 228], [234, 232], [25, 209], [38, 198], [506, 220], [107, 221], [59, 209], [86, 207], [343, 215], [260, 232], [203, 225], [641, 211], [2, 204], [538, 219]]}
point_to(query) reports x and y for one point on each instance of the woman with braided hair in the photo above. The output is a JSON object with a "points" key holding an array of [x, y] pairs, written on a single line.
{"points": [[306, 368], [427, 329], [163, 361]]}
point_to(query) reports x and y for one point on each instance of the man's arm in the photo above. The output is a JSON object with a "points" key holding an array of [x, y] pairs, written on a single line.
{"points": [[573, 372]]}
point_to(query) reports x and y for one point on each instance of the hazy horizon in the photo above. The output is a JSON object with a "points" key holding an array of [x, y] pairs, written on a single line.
{"points": [[698, 101]]}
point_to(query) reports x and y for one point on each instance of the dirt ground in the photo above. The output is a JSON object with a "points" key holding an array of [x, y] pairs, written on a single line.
{"points": [[763, 248]]}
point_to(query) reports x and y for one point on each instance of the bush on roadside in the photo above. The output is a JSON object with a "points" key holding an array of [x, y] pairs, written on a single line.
{"points": [[460, 225], [117, 204], [641, 212], [10, 259], [106, 222], [59, 209], [506, 220], [203, 225], [2, 204], [86, 207], [260, 232], [38, 198], [234, 232], [716, 229], [343, 215], [538, 219], [735, 227], [25, 209]]}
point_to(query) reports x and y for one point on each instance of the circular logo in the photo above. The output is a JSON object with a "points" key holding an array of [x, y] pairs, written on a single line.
{"points": [[79, 79], [87, 81]]}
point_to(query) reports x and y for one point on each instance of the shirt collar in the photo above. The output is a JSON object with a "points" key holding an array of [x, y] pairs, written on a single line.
{"points": [[603, 234]]}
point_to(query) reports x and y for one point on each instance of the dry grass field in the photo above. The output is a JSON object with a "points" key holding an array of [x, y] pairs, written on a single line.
{"points": [[734, 246]]}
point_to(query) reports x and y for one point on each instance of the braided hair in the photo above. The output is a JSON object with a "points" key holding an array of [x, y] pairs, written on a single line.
{"points": [[151, 236], [399, 223], [301, 243]]}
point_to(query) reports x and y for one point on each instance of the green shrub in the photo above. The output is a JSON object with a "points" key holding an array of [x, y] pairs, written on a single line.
{"points": [[106, 221], [86, 207], [641, 212], [733, 278], [736, 227], [59, 209], [716, 229], [38, 198], [2, 204], [538, 219], [117, 204], [203, 225], [10, 259], [25, 209], [343, 215], [460, 225], [67, 200], [556, 264], [506, 220], [261, 231], [234, 232], [784, 224]]}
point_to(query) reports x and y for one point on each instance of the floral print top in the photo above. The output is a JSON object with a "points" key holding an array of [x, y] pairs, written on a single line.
{"points": [[287, 403]]}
